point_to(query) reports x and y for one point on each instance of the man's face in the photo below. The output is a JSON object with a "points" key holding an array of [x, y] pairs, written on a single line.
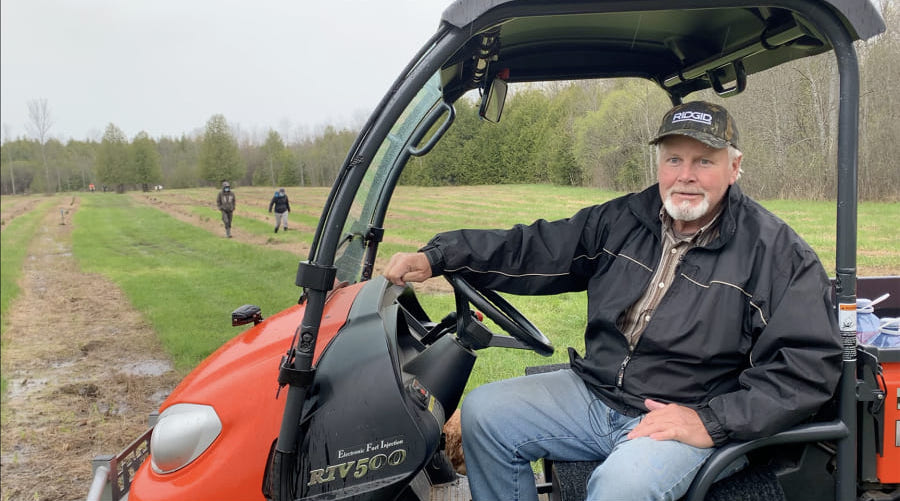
{"points": [[693, 178]]}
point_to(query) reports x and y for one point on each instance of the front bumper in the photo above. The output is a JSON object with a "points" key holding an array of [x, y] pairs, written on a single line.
{"points": [[113, 474]]}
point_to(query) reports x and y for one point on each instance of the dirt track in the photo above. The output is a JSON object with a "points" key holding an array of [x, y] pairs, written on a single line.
{"points": [[180, 207], [84, 368], [84, 371]]}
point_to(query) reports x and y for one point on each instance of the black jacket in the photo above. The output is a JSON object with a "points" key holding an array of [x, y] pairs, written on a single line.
{"points": [[280, 202], [746, 334]]}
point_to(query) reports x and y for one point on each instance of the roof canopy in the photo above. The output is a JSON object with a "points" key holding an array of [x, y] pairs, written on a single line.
{"points": [[684, 46]]}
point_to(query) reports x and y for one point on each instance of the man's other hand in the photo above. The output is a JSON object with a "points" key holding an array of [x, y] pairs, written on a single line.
{"points": [[672, 422], [407, 267]]}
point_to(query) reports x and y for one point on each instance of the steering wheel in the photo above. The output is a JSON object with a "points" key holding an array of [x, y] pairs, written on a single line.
{"points": [[500, 311]]}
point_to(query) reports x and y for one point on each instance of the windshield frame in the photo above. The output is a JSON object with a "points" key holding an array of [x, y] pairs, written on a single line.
{"points": [[343, 193], [369, 206]]}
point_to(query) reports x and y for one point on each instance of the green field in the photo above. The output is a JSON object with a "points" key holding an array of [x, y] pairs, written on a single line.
{"points": [[186, 279]]}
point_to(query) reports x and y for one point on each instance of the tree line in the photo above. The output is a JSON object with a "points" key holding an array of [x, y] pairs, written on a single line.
{"points": [[117, 163], [585, 133]]}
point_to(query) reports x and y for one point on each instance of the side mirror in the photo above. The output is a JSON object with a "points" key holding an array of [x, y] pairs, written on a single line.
{"points": [[246, 314], [493, 100]]}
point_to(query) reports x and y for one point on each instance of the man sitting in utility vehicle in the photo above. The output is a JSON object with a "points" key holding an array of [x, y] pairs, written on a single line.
{"points": [[709, 320]]}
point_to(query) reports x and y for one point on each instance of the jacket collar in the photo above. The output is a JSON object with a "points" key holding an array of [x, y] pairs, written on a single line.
{"points": [[646, 205]]}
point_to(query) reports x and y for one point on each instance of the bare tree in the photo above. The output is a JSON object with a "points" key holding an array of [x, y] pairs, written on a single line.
{"points": [[39, 125]]}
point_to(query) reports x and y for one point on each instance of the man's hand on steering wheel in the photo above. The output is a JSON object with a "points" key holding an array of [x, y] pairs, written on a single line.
{"points": [[407, 267], [414, 267]]}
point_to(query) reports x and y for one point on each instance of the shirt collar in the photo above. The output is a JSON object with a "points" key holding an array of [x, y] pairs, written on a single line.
{"points": [[697, 238]]}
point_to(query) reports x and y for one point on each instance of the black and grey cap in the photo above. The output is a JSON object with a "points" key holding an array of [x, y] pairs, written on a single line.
{"points": [[703, 121]]}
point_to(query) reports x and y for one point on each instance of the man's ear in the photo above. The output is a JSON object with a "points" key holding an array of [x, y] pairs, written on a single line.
{"points": [[736, 168]]}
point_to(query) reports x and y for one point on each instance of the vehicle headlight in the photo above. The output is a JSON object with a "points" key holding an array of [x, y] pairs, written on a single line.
{"points": [[181, 434]]}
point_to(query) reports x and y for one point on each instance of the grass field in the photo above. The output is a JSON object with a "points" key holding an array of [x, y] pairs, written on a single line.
{"points": [[420, 212], [186, 279]]}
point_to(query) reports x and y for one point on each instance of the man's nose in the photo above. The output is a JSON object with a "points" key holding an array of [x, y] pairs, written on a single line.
{"points": [[687, 172]]}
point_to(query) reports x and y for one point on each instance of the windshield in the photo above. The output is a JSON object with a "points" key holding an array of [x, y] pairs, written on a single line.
{"points": [[378, 183]]}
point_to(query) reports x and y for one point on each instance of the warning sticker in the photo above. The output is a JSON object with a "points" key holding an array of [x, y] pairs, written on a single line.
{"points": [[847, 316]]}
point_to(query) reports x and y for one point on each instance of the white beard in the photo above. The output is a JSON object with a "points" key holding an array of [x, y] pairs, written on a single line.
{"points": [[685, 211]]}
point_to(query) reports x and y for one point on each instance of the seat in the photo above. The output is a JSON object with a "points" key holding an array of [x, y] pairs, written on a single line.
{"points": [[567, 481]]}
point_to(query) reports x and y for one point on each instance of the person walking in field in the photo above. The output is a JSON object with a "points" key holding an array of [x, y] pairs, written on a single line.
{"points": [[282, 207], [226, 203]]}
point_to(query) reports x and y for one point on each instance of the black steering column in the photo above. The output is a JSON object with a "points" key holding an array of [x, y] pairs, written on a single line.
{"points": [[475, 335]]}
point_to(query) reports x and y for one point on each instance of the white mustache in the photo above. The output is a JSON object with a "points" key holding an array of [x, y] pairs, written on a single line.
{"points": [[686, 191]]}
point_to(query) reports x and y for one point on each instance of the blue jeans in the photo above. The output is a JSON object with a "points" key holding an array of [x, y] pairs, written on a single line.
{"points": [[509, 423]]}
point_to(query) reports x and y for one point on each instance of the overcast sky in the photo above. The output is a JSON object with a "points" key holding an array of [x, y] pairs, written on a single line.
{"points": [[167, 66]]}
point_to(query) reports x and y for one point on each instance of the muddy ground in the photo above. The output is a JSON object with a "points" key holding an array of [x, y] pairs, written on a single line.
{"points": [[84, 370]]}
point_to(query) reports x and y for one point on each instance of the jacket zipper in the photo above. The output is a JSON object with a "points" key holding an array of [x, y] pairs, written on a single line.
{"points": [[620, 377]]}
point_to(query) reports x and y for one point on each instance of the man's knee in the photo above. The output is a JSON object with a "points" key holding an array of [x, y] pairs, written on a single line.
{"points": [[476, 412], [487, 412]]}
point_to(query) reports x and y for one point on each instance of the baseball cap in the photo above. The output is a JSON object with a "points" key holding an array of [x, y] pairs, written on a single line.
{"points": [[701, 120]]}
